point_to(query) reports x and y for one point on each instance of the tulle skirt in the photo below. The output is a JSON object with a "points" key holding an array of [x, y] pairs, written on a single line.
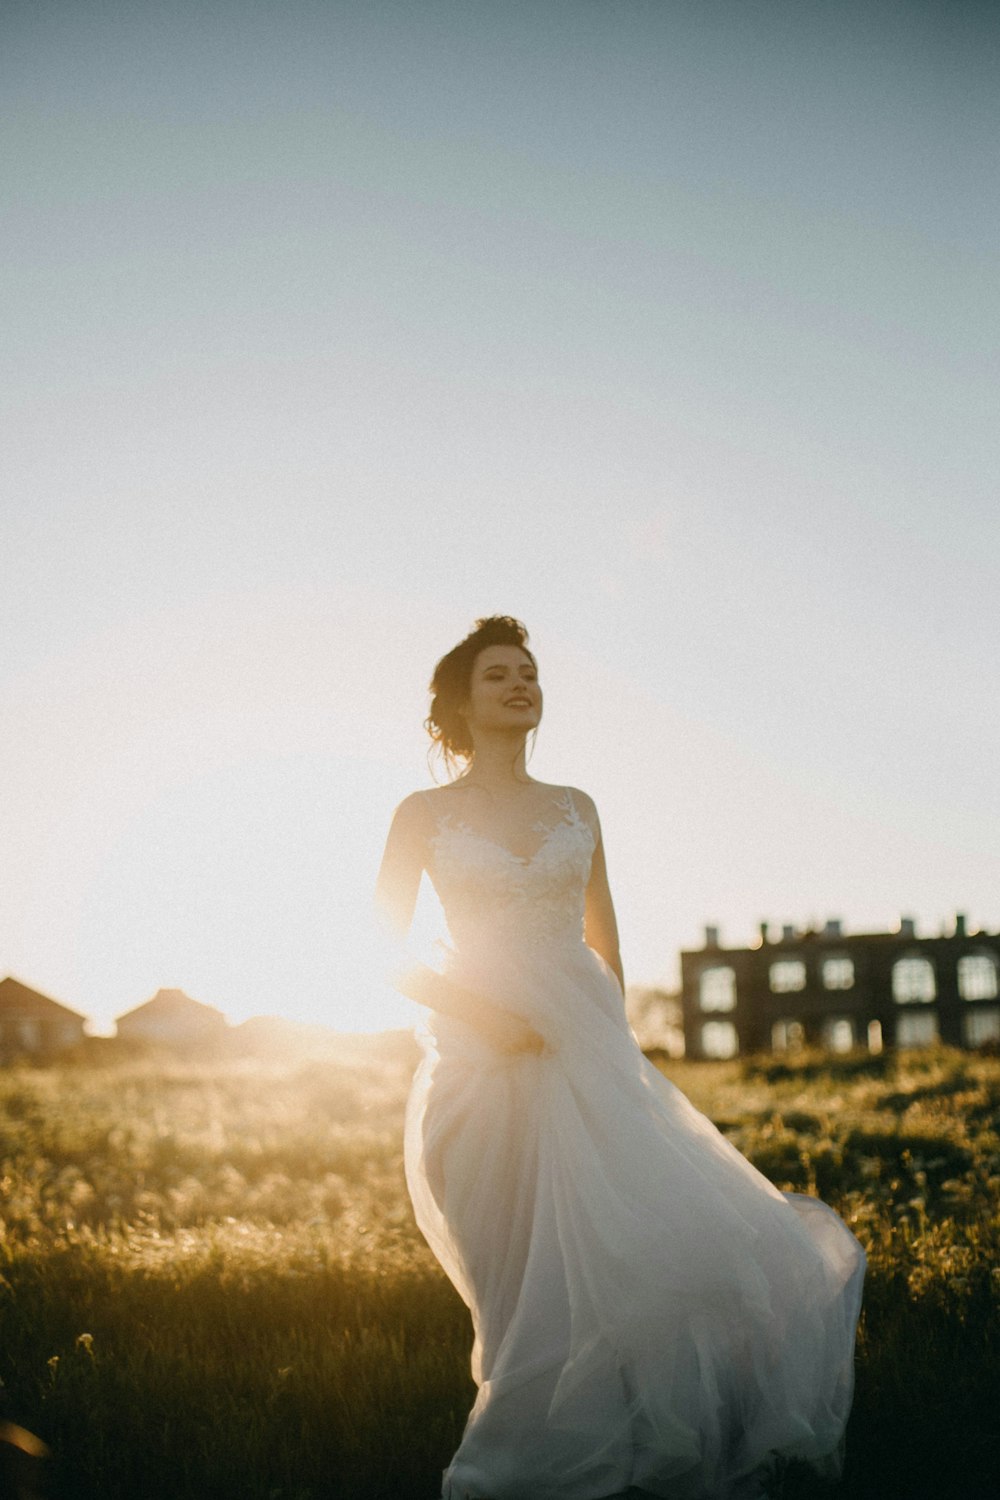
{"points": [[650, 1314]]}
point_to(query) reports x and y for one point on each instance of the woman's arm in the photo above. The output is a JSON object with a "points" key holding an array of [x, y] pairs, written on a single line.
{"points": [[600, 927], [403, 862], [407, 852]]}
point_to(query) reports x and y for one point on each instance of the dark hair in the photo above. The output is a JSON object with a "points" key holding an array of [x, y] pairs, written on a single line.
{"points": [[445, 723]]}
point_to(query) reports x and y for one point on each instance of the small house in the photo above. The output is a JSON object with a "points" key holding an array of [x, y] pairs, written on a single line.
{"points": [[172, 1019], [33, 1023]]}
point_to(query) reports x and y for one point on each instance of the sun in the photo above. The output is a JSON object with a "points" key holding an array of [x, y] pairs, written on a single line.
{"points": [[250, 886]]}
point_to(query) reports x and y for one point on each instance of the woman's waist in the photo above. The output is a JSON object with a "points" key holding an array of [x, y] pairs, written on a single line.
{"points": [[522, 933], [555, 978], [497, 967]]}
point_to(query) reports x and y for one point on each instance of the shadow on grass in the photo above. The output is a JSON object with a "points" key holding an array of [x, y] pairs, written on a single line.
{"points": [[926, 1421], [237, 1383]]}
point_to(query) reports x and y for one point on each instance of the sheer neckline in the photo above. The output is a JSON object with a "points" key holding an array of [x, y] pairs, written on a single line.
{"points": [[568, 817]]}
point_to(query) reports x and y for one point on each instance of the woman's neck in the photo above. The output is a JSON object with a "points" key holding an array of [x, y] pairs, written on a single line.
{"points": [[499, 763]]}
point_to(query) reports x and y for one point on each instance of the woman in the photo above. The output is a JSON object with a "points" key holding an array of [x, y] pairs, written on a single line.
{"points": [[651, 1315]]}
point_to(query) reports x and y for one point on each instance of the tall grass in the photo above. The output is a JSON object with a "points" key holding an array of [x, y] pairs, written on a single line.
{"points": [[212, 1285]]}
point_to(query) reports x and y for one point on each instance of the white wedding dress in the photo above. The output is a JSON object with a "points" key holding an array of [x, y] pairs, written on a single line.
{"points": [[651, 1315]]}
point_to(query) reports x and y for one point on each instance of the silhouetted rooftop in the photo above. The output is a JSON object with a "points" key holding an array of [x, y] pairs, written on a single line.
{"points": [[15, 994]]}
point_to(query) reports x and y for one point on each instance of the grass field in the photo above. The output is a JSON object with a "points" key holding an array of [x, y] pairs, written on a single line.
{"points": [[212, 1286]]}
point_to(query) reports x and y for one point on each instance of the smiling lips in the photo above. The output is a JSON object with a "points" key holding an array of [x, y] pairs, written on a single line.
{"points": [[518, 703]]}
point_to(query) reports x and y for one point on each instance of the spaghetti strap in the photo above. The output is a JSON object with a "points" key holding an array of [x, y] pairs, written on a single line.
{"points": [[575, 816]]}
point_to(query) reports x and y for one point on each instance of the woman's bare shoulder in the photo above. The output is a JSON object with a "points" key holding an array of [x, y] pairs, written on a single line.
{"points": [[413, 814], [420, 808], [585, 806], [560, 789], [581, 798], [438, 796]]}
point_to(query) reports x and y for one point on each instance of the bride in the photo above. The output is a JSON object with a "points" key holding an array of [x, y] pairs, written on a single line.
{"points": [[651, 1316]]}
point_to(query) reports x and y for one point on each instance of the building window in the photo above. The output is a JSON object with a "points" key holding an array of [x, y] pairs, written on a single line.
{"points": [[916, 1028], [719, 1039], [874, 1036], [838, 972], [788, 1035], [838, 1033], [913, 979], [981, 1025], [717, 990], [977, 976], [786, 975]]}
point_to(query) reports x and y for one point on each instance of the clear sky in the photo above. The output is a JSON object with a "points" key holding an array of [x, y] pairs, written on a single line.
{"points": [[669, 327]]}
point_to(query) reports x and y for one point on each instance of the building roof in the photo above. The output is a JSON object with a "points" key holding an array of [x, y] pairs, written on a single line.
{"points": [[174, 1003], [777, 947], [825, 938], [15, 995]]}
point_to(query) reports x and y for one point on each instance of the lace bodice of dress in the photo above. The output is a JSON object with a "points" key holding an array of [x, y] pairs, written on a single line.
{"points": [[489, 893]]}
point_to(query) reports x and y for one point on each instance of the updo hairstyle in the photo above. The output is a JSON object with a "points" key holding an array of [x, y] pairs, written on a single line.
{"points": [[449, 686]]}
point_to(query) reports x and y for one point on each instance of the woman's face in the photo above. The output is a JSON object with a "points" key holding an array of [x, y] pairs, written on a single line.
{"points": [[504, 695]]}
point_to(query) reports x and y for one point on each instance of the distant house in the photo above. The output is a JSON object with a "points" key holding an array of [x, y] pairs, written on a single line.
{"points": [[31, 1022], [840, 990], [173, 1018]]}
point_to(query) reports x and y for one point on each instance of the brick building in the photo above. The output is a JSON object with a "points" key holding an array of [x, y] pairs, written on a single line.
{"points": [[839, 990]]}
